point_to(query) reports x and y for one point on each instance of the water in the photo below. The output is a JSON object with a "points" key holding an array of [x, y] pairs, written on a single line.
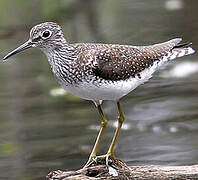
{"points": [[43, 129]]}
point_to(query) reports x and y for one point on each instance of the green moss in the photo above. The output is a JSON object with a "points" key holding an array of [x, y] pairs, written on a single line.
{"points": [[8, 148]]}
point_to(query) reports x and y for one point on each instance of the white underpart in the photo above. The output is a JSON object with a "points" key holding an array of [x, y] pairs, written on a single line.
{"points": [[118, 89], [111, 91]]}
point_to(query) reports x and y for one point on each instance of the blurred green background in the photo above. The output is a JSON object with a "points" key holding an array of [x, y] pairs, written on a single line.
{"points": [[42, 128]]}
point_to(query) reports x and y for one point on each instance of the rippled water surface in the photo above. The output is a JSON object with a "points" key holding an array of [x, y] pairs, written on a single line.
{"points": [[43, 129]]}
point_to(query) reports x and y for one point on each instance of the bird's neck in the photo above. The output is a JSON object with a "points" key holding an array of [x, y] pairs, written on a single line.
{"points": [[63, 64], [60, 52]]}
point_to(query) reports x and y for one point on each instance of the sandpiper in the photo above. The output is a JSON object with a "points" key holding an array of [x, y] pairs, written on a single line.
{"points": [[100, 72]]}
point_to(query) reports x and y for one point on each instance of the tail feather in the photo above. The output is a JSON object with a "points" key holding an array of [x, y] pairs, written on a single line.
{"points": [[183, 45], [180, 50]]}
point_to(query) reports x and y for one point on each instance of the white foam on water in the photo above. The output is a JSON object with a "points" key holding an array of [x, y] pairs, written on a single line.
{"points": [[172, 5], [181, 70]]}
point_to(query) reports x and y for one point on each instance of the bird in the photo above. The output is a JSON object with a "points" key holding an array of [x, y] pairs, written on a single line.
{"points": [[100, 72]]}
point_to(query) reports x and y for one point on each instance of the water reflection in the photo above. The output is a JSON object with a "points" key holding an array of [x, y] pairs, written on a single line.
{"points": [[42, 131]]}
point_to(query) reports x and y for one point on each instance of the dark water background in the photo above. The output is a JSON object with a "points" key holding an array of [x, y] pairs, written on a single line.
{"points": [[42, 130]]}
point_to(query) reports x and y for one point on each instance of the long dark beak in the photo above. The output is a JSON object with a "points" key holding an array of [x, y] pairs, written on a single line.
{"points": [[26, 45]]}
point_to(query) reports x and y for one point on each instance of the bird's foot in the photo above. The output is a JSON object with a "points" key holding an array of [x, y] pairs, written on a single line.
{"points": [[90, 161], [104, 159], [99, 160]]}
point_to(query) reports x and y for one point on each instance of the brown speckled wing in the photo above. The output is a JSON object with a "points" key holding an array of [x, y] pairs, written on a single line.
{"points": [[119, 62]]}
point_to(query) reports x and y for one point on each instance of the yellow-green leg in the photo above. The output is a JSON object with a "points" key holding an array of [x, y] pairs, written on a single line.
{"points": [[111, 149], [120, 122], [99, 137]]}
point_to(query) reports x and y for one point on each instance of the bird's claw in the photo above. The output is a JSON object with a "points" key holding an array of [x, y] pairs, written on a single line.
{"points": [[99, 160]]}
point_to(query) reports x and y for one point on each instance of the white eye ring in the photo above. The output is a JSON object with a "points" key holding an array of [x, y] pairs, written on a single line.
{"points": [[46, 34]]}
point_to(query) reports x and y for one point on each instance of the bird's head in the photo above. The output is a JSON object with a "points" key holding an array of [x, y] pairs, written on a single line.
{"points": [[45, 36]]}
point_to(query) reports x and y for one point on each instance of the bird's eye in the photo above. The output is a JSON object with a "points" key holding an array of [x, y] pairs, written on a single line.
{"points": [[46, 34]]}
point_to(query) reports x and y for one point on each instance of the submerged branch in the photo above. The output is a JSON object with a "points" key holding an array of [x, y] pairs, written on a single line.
{"points": [[118, 170]]}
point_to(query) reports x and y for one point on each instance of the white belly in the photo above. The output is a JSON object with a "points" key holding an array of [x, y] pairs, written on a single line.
{"points": [[110, 91]]}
